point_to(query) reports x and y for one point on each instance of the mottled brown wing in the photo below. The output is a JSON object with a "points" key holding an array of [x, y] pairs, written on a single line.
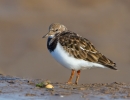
{"points": [[82, 48]]}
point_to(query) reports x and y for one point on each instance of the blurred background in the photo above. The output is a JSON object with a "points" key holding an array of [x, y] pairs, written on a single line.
{"points": [[23, 51]]}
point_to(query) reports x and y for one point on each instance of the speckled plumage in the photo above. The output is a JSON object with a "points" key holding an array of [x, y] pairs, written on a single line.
{"points": [[79, 48], [73, 51]]}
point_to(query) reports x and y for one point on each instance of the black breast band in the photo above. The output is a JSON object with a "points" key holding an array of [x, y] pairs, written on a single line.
{"points": [[51, 44]]}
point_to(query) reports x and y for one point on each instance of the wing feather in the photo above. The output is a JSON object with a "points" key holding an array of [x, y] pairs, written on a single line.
{"points": [[81, 48]]}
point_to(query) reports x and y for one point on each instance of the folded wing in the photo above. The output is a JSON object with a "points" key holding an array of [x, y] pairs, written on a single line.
{"points": [[81, 48]]}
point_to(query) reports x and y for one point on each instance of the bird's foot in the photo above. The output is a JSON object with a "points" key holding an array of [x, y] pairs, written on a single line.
{"points": [[76, 83], [68, 82]]}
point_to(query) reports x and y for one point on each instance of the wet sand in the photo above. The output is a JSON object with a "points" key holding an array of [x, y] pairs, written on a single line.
{"points": [[13, 88]]}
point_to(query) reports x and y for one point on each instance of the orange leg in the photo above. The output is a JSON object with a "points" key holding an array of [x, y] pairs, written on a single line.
{"points": [[77, 77], [71, 76]]}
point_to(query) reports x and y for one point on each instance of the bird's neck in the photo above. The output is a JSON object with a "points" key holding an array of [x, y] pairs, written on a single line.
{"points": [[51, 36], [51, 43]]}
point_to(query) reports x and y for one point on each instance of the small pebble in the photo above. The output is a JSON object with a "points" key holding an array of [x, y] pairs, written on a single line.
{"points": [[49, 86], [28, 94], [82, 88]]}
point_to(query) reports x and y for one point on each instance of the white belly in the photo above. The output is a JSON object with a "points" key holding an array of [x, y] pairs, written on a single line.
{"points": [[70, 62]]}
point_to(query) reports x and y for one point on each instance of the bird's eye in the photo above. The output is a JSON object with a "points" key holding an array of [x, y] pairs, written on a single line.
{"points": [[56, 29]]}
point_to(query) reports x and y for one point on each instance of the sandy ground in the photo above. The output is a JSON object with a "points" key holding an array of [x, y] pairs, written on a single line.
{"points": [[14, 88]]}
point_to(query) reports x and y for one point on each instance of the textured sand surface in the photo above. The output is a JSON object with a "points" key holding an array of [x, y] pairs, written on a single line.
{"points": [[12, 88]]}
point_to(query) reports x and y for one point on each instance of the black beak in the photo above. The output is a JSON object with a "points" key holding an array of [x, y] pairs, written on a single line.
{"points": [[45, 36]]}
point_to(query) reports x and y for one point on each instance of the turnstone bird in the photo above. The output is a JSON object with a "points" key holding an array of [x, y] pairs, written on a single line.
{"points": [[73, 51]]}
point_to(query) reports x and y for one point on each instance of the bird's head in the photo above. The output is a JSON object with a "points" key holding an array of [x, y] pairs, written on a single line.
{"points": [[55, 28]]}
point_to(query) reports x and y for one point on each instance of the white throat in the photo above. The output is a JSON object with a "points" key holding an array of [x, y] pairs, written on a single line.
{"points": [[51, 36]]}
